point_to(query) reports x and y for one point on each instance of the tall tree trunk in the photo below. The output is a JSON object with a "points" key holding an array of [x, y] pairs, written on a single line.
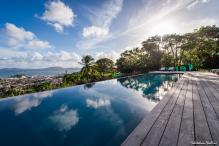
{"points": [[173, 54]]}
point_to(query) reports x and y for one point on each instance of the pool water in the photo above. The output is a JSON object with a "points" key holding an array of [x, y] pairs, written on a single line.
{"points": [[98, 114]]}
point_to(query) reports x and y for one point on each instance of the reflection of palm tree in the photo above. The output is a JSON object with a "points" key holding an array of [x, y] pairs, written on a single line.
{"points": [[89, 85], [149, 84]]}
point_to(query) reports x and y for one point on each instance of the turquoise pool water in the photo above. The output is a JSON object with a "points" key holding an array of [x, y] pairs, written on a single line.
{"points": [[98, 114]]}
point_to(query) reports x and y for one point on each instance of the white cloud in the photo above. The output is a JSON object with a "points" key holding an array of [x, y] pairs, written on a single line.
{"points": [[92, 43], [103, 16], [38, 44], [149, 15], [36, 56], [18, 34], [101, 20], [18, 37], [37, 59], [25, 103], [65, 118], [196, 2], [188, 26], [94, 31], [58, 15], [61, 56], [97, 103], [111, 55]]}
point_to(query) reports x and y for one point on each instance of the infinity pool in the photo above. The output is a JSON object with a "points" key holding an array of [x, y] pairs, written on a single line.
{"points": [[98, 114]]}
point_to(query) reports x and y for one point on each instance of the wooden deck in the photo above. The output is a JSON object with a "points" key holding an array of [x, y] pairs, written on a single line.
{"points": [[188, 113]]}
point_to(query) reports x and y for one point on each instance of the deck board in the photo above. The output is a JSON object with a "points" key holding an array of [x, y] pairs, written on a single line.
{"points": [[188, 113], [211, 115], [170, 135], [186, 135], [213, 90], [202, 132], [213, 100], [155, 134]]}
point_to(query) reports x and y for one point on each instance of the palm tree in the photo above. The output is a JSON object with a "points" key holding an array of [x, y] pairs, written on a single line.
{"points": [[89, 72], [87, 61]]}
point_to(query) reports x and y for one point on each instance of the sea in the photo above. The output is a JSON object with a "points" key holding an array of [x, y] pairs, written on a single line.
{"points": [[9, 72]]}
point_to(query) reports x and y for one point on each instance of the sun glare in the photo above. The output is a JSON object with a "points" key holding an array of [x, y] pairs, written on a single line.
{"points": [[164, 28]]}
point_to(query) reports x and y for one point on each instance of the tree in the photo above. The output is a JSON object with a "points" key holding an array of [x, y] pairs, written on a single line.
{"points": [[141, 59], [166, 60], [87, 61], [208, 46], [89, 71], [202, 48], [173, 46], [104, 65], [151, 47], [129, 61]]}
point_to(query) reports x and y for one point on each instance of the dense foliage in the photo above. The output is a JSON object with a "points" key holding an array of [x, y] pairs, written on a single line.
{"points": [[200, 48], [104, 65], [91, 71]]}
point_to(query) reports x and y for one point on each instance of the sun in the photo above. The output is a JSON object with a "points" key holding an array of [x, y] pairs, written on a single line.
{"points": [[163, 28]]}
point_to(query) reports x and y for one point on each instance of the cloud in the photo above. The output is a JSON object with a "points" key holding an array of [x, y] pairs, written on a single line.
{"points": [[61, 56], [65, 118], [25, 103], [36, 59], [146, 17], [101, 20], [92, 43], [36, 56], [58, 15], [18, 37], [196, 2], [102, 17], [94, 31], [18, 34], [198, 23], [97, 103], [111, 55], [38, 44]]}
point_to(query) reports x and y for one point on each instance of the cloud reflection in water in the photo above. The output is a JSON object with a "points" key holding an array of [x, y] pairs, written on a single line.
{"points": [[97, 103], [65, 118], [25, 103]]}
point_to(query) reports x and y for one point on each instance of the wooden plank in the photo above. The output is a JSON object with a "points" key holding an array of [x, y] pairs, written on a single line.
{"points": [[202, 132], [170, 136], [186, 135], [136, 137], [215, 86], [211, 97], [154, 135], [211, 116], [212, 89]]}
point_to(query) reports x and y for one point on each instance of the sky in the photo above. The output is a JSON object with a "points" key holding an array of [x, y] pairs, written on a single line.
{"points": [[48, 33]]}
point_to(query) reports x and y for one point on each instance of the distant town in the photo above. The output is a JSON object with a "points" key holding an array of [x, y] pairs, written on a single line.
{"points": [[21, 84]]}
